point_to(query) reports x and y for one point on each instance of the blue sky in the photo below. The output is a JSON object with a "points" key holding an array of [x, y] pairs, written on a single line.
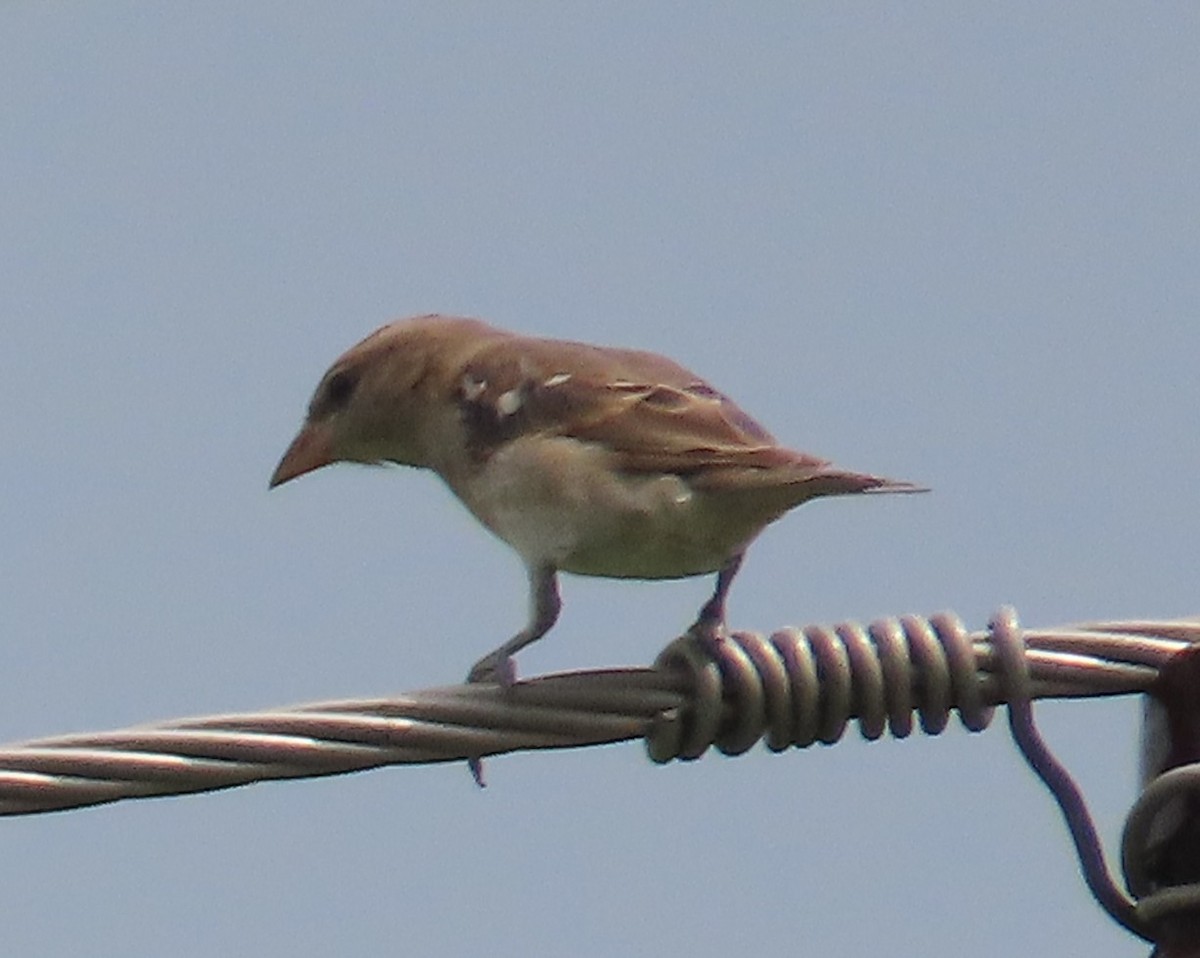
{"points": [[945, 243]]}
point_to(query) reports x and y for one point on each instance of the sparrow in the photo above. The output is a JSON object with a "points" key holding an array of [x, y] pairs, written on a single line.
{"points": [[584, 459]]}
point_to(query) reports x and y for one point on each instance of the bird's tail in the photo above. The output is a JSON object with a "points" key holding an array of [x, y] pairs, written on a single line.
{"points": [[833, 481]]}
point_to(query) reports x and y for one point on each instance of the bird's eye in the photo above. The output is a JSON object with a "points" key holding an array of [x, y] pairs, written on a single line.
{"points": [[339, 389]]}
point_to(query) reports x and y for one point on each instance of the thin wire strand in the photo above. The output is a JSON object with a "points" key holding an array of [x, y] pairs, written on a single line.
{"points": [[791, 689], [1008, 642]]}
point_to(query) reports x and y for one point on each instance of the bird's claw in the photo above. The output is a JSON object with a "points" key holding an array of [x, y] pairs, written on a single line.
{"points": [[709, 634], [494, 669]]}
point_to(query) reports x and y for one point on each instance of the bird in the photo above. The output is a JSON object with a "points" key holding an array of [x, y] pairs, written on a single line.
{"points": [[589, 460]]}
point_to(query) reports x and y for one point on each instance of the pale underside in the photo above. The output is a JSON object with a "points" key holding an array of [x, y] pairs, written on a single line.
{"points": [[553, 500]]}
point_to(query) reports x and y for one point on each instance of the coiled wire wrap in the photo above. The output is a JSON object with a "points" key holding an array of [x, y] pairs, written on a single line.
{"points": [[802, 686], [798, 687]]}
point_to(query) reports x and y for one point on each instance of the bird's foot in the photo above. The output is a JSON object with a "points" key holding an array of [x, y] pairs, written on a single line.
{"points": [[495, 668], [709, 634]]}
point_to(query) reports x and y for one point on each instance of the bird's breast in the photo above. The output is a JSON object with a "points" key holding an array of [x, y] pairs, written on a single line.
{"points": [[557, 501]]}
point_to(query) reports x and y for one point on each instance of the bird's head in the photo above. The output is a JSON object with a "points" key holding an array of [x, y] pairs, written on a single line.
{"points": [[385, 399]]}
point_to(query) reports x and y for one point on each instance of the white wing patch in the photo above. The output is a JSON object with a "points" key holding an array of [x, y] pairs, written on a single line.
{"points": [[509, 402]]}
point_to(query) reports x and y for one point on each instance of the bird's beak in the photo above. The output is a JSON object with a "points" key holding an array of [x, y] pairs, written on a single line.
{"points": [[311, 449]]}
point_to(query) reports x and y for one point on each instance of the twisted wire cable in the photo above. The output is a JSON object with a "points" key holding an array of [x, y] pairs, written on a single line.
{"points": [[792, 689]]}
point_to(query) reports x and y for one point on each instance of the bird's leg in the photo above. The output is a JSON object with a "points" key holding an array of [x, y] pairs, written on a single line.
{"points": [[544, 605], [710, 623], [498, 665]]}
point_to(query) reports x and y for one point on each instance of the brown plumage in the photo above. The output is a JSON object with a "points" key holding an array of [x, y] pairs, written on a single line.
{"points": [[598, 461]]}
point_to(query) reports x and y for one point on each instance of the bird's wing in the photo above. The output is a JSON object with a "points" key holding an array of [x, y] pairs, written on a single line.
{"points": [[652, 414]]}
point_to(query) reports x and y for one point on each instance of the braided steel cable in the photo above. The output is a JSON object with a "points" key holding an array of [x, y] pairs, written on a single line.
{"points": [[797, 687]]}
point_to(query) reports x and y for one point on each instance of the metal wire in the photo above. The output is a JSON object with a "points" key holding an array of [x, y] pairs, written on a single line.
{"points": [[797, 687], [1008, 641]]}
